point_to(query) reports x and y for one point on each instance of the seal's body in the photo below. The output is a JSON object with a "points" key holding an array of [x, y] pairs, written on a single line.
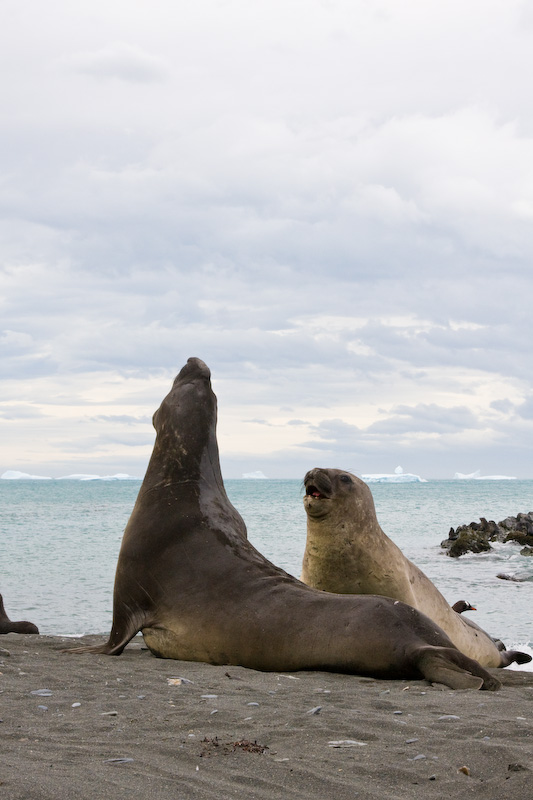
{"points": [[188, 578], [346, 551], [7, 626]]}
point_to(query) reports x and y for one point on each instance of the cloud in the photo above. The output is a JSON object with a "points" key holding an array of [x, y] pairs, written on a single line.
{"points": [[104, 443], [424, 418], [119, 60], [522, 410], [20, 411], [122, 419], [328, 208]]}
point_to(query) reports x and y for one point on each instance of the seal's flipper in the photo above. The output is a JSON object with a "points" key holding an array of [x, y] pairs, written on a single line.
{"points": [[510, 656], [448, 666], [106, 649], [118, 639]]}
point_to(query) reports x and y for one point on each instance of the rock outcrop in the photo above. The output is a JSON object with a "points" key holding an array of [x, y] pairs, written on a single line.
{"points": [[477, 536]]}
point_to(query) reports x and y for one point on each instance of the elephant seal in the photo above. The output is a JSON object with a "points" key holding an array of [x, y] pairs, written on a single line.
{"points": [[7, 626], [347, 551], [188, 578]]}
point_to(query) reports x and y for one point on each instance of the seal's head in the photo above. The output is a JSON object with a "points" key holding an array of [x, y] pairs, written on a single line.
{"points": [[186, 448], [190, 403], [329, 492]]}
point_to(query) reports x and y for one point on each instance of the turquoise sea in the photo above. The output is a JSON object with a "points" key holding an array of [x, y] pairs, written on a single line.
{"points": [[60, 542]]}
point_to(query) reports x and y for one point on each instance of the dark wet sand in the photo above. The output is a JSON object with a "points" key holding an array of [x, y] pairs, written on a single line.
{"points": [[234, 732]]}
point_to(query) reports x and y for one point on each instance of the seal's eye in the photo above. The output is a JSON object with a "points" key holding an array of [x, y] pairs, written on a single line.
{"points": [[346, 479]]}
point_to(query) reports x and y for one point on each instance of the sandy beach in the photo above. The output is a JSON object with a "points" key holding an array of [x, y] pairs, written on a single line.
{"points": [[86, 726]]}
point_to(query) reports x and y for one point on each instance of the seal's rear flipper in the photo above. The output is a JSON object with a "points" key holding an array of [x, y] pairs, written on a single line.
{"points": [[510, 656], [451, 667]]}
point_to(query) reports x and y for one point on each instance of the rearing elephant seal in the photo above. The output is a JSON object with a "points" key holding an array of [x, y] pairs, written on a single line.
{"points": [[347, 552], [188, 578]]}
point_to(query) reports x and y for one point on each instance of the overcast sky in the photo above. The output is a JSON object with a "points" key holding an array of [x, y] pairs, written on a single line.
{"points": [[331, 203]]}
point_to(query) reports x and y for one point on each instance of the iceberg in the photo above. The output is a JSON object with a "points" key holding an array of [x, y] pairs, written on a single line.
{"points": [[398, 476], [14, 475], [476, 476], [257, 475], [120, 476]]}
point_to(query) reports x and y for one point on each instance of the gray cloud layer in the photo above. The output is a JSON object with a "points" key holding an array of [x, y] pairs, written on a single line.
{"points": [[329, 203]]}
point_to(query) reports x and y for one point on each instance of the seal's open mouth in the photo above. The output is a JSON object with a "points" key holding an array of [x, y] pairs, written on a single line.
{"points": [[312, 491]]}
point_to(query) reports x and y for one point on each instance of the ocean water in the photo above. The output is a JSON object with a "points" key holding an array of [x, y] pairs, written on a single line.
{"points": [[60, 542]]}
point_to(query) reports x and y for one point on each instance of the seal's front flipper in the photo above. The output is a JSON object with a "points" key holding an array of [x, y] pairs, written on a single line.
{"points": [[452, 668], [106, 649], [118, 639]]}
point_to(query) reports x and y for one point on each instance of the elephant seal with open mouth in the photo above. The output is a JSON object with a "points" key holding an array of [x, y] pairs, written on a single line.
{"points": [[347, 552]]}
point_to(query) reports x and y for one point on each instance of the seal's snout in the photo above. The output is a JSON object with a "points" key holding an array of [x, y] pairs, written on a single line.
{"points": [[314, 491], [197, 365], [317, 484], [195, 368], [194, 371]]}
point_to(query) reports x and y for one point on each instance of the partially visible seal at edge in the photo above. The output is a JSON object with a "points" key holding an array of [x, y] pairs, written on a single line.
{"points": [[7, 626]]}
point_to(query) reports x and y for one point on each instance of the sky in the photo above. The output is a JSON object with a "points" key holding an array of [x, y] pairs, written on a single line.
{"points": [[328, 201]]}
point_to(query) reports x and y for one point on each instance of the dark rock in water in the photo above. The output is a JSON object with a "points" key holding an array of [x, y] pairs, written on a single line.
{"points": [[526, 551], [465, 541], [520, 537], [477, 536]]}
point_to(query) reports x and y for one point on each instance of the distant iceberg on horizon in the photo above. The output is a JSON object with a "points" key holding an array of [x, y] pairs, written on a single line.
{"points": [[476, 476], [15, 475], [398, 476], [255, 476], [120, 476]]}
